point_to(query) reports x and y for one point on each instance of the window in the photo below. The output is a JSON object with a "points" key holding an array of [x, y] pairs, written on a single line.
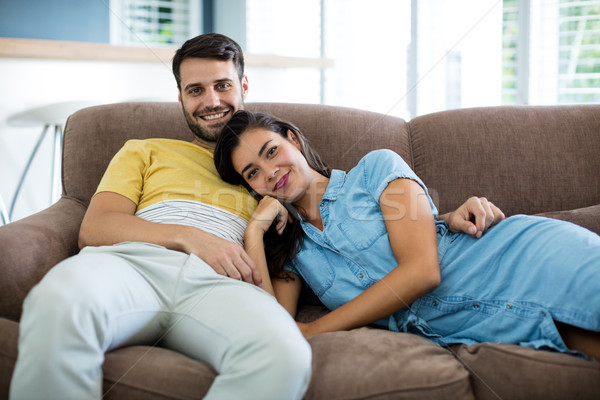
{"points": [[409, 58], [551, 51], [154, 22]]}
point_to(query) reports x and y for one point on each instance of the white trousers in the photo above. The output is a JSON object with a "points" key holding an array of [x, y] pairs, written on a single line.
{"points": [[137, 293]]}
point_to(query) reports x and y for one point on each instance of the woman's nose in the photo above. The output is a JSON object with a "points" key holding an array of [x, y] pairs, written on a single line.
{"points": [[272, 174]]}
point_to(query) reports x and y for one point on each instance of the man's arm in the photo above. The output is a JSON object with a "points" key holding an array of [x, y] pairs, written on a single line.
{"points": [[474, 217], [111, 219]]}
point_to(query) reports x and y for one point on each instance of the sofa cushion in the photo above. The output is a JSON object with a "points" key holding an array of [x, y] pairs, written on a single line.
{"points": [[586, 217], [369, 363], [503, 371], [342, 136], [154, 373], [9, 338], [526, 159]]}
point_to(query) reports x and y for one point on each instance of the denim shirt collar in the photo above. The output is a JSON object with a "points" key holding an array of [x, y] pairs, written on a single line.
{"points": [[336, 182]]}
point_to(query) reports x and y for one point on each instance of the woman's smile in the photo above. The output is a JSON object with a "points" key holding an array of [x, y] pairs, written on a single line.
{"points": [[282, 182]]}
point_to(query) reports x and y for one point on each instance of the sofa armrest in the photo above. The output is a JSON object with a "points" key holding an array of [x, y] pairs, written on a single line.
{"points": [[31, 246], [588, 217]]}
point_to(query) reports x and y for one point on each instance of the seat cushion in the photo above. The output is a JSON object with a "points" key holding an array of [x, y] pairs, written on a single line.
{"points": [[9, 338], [153, 373], [503, 371], [369, 363]]}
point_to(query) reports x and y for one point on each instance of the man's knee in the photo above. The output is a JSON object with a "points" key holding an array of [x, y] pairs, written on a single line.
{"points": [[291, 359]]}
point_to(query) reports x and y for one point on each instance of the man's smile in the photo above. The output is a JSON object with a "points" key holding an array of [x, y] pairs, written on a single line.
{"points": [[213, 116]]}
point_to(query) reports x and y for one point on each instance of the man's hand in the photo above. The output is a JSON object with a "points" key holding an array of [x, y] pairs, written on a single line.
{"points": [[110, 219], [474, 217], [226, 258]]}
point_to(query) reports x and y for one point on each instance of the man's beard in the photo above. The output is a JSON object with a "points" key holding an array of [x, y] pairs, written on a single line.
{"points": [[203, 133], [210, 134]]}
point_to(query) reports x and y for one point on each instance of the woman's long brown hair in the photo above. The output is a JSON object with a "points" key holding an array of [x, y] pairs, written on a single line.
{"points": [[279, 249]]}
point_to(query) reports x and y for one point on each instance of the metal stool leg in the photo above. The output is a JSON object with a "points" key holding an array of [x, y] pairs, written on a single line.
{"points": [[22, 179], [56, 164], [3, 212]]}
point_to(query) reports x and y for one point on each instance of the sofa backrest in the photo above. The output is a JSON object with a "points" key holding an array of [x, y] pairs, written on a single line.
{"points": [[93, 135], [528, 159]]}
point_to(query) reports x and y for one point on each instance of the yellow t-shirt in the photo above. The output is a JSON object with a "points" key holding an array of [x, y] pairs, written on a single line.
{"points": [[174, 181]]}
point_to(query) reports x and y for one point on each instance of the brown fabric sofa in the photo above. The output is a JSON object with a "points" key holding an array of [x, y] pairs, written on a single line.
{"points": [[525, 159]]}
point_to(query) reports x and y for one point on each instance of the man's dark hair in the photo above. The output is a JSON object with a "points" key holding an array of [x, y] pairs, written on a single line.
{"points": [[209, 45]]}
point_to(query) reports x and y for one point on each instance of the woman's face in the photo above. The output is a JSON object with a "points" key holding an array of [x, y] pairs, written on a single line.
{"points": [[272, 165]]}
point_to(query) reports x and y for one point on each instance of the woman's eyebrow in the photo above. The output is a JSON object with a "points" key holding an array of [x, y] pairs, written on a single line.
{"points": [[260, 152], [262, 149]]}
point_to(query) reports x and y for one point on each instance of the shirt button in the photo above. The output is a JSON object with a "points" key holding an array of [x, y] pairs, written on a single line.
{"points": [[322, 205], [360, 275], [435, 303], [509, 306], [475, 306]]}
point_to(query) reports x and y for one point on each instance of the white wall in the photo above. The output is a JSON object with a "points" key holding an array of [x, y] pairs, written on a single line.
{"points": [[27, 83]]}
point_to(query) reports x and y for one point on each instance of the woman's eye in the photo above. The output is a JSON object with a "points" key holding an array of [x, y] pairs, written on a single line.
{"points": [[271, 152], [251, 174]]}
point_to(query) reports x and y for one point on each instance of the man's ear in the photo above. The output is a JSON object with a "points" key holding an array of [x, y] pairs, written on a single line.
{"points": [[294, 139], [244, 87], [179, 96]]}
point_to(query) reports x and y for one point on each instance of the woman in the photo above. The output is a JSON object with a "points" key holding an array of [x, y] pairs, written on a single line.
{"points": [[369, 246]]}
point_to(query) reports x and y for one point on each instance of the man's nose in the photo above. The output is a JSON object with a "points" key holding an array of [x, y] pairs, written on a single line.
{"points": [[213, 98]]}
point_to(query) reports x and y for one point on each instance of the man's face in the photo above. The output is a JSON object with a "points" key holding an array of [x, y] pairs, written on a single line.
{"points": [[210, 93]]}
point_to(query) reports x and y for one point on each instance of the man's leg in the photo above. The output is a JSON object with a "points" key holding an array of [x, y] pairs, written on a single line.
{"points": [[83, 307], [240, 330]]}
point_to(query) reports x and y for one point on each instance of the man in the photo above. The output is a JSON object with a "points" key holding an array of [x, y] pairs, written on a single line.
{"points": [[162, 262], [143, 279]]}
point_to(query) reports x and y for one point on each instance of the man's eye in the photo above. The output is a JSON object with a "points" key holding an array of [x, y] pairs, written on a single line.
{"points": [[223, 85], [194, 91]]}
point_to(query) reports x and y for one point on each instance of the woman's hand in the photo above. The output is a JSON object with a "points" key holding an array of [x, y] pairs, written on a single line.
{"points": [[474, 217], [304, 328], [268, 211]]}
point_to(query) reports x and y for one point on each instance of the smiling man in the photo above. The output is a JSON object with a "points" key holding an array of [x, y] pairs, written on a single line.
{"points": [[162, 259]]}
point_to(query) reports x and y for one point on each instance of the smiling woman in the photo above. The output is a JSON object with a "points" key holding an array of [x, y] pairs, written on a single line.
{"points": [[374, 250]]}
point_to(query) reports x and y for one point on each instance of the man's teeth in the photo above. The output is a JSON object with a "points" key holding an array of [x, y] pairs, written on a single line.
{"points": [[213, 116]]}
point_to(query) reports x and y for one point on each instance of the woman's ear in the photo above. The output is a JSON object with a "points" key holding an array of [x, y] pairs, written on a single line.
{"points": [[294, 139]]}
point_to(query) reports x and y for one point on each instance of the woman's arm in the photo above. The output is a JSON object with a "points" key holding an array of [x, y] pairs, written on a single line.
{"points": [[287, 292], [411, 230], [268, 211]]}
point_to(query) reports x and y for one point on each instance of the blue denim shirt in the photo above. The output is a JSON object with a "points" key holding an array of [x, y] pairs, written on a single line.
{"points": [[353, 250], [508, 286]]}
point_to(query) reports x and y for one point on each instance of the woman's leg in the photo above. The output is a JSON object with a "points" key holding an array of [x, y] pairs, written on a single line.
{"points": [[513, 284]]}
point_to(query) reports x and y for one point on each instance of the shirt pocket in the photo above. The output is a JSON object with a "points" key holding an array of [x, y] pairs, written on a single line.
{"points": [[363, 234], [315, 269]]}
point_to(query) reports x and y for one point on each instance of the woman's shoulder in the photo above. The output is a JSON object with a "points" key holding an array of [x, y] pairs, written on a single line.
{"points": [[382, 160]]}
